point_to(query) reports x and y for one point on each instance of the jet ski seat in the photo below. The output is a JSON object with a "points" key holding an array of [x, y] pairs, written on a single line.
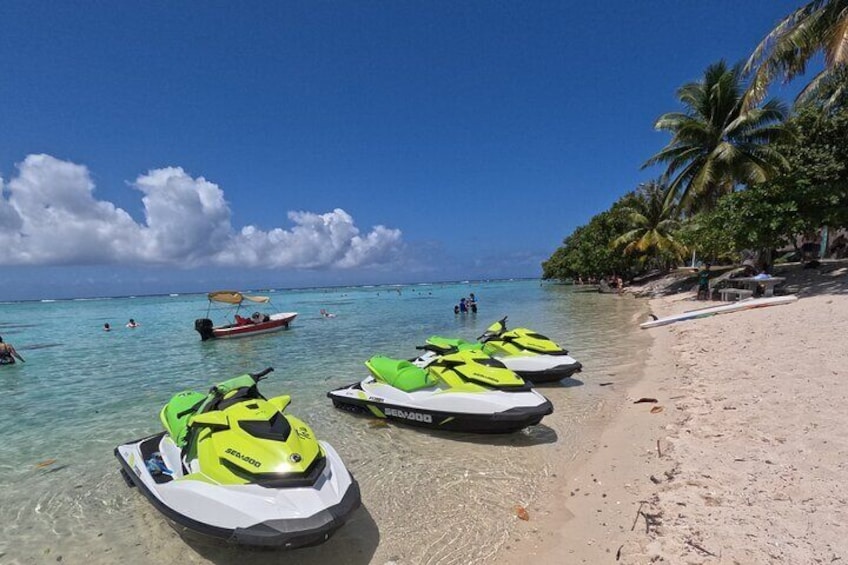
{"points": [[176, 414], [400, 374], [532, 341]]}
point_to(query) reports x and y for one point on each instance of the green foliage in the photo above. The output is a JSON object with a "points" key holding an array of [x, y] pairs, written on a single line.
{"points": [[652, 223], [795, 184], [818, 26], [587, 251], [704, 234], [813, 192], [716, 143]]}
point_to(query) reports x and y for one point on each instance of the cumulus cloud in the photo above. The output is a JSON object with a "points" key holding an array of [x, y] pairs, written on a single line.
{"points": [[49, 216]]}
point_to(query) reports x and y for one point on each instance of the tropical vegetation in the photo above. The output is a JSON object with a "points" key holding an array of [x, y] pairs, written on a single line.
{"points": [[741, 175], [716, 143], [820, 26]]}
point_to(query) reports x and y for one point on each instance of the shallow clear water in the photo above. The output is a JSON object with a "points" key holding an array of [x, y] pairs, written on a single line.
{"points": [[428, 498]]}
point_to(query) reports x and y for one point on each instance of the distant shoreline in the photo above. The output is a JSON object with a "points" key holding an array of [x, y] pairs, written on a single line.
{"points": [[274, 290]]}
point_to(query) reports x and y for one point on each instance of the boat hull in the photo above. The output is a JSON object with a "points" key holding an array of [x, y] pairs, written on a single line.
{"points": [[276, 323]]}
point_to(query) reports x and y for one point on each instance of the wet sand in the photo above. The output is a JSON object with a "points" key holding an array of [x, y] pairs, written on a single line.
{"points": [[742, 459]]}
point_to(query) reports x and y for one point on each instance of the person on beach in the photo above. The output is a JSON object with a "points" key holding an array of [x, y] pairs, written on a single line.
{"points": [[8, 353], [132, 324], [704, 283], [107, 327]]}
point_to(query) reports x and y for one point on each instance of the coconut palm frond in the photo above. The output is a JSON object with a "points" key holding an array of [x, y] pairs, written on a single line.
{"points": [[820, 26]]}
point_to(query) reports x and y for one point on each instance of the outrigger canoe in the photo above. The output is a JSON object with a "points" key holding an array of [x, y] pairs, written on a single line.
{"points": [[258, 322]]}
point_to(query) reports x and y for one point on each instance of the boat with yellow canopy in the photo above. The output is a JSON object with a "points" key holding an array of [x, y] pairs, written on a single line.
{"points": [[240, 326]]}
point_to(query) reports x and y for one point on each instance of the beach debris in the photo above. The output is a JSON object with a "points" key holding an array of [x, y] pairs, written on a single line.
{"points": [[652, 520], [645, 399], [522, 513], [638, 513], [699, 548], [605, 384], [45, 463], [655, 480], [659, 451], [377, 424], [656, 409], [618, 553]]}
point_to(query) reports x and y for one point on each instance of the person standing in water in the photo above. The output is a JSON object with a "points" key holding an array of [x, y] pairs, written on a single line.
{"points": [[8, 354], [107, 327], [132, 324]]}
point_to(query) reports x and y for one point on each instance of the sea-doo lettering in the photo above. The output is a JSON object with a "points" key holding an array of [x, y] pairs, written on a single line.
{"points": [[244, 458], [417, 416]]}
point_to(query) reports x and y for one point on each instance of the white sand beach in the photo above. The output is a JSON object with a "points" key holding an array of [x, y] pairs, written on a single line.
{"points": [[743, 458]]}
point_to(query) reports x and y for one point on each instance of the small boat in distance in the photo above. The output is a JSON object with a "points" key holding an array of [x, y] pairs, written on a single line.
{"points": [[257, 323]]}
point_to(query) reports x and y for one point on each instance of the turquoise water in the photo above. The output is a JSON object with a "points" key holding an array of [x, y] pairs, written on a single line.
{"points": [[82, 391]]}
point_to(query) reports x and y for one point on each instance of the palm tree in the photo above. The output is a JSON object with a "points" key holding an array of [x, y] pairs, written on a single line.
{"points": [[818, 26], [652, 220], [718, 145]]}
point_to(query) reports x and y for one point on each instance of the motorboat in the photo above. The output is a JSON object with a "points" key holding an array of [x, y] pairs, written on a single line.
{"points": [[256, 324]]}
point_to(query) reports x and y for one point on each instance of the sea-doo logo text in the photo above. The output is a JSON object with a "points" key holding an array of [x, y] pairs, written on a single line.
{"points": [[244, 458], [417, 416]]}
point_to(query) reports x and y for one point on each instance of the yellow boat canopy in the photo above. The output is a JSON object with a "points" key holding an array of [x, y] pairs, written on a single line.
{"points": [[235, 297]]}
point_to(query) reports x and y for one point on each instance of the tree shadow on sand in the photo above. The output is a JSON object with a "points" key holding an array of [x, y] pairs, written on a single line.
{"points": [[353, 544], [831, 277]]}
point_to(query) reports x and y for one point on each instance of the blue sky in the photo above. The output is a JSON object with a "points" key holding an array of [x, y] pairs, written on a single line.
{"points": [[157, 147]]}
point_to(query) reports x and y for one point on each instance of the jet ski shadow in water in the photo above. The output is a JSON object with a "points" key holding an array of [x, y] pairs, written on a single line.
{"points": [[540, 434], [231, 466], [355, 544]]}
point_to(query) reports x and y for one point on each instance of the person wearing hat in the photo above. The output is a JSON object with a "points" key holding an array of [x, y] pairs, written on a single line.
{"points": [[8, 353]]}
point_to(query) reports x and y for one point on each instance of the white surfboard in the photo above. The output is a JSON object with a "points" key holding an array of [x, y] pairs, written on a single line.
{"points": [[722, 309]]}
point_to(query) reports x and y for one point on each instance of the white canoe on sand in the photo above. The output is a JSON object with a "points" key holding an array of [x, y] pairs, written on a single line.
{"points": [[722, 309]]}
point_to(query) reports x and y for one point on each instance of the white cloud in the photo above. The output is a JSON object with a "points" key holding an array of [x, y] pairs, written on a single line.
{"points": [[49, 216]]}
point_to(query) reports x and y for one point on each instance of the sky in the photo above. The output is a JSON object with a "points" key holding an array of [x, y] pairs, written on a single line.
{"points": [[180, 147]]}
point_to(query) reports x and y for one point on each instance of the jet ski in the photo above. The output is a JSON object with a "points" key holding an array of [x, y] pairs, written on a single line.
{"points": [[465, 391], [232, 466], [533, 356]]}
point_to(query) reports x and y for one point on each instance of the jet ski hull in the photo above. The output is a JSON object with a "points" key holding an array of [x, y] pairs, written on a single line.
{"points": [[240, 514], [378, 403], [540, 369]]}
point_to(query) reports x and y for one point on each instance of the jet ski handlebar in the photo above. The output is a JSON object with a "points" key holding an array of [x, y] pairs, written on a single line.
{"points": [[486, 335], [261, 374]]}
